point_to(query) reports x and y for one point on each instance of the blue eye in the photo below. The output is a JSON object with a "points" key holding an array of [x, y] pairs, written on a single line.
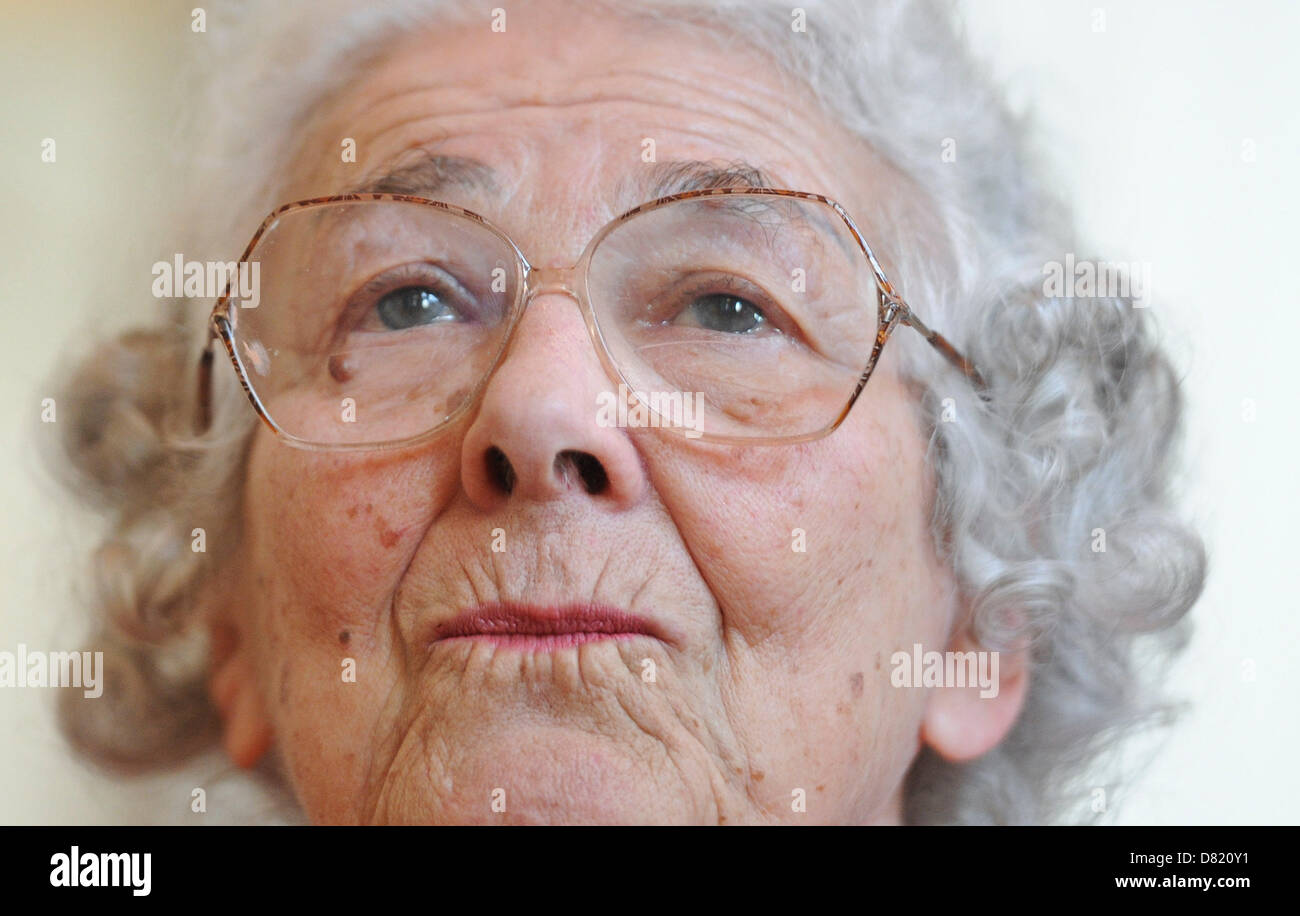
{"points": [[726, 313], [413, 306]]}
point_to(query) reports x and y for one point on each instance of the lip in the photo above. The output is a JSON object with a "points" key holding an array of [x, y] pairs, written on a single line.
{"points": [[530, 627]]}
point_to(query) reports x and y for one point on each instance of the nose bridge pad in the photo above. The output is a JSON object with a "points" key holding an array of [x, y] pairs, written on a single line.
{"points": [[562, 281], [551, 280]]}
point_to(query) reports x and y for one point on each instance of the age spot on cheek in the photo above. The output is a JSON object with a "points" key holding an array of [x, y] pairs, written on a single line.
{"points": [[388, 537], [855, 685]]}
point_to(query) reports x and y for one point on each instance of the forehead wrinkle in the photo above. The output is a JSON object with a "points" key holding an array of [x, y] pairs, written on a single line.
{"points": [[450, 101], [712, 158], [705, 130], [552, 89], [729, 97], [716, 160], [713, 88]]}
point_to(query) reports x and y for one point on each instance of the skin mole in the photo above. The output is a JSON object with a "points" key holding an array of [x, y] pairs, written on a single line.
{"points": [[340, 370]]}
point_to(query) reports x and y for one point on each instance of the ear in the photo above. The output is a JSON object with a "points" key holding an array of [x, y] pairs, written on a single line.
{"points": [[246, 729], [960, 724]]}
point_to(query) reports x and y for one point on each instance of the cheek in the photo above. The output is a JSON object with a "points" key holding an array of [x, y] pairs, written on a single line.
{"points": [[329, 535], [789, 538], [821, 560], [327, 539]]}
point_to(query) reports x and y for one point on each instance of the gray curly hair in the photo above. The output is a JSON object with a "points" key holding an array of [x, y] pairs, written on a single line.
{"points": [[1080, 433]]}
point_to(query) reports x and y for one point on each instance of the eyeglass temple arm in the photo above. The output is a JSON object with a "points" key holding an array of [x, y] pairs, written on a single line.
{"points": [[946, 349]]}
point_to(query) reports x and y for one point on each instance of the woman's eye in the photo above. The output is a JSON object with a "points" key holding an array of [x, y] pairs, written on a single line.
{"points": [[413, 306], [724, 312]]}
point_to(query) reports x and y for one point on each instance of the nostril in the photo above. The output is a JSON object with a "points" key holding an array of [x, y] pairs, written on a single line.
{"points": [[592, 473], [586, 467], [499, 469]]}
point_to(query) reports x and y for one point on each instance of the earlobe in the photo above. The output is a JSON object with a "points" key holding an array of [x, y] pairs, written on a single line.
{"points": [[246, 729], [963, 723]]}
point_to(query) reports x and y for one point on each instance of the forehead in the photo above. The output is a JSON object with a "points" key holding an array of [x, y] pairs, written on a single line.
{"points": [[562, 122]]}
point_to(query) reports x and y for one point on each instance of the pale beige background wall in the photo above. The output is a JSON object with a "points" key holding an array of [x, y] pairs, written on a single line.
{"points": [[1144, 124]]}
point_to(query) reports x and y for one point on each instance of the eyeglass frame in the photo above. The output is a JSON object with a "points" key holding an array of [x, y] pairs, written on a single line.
{"points": [[893, 311]]}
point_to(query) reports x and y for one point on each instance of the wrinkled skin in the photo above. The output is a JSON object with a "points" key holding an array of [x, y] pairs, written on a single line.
{"points": [[772, 676]]}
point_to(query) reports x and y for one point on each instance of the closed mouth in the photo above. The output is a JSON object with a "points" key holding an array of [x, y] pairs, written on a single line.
{"points": [[544, 627]]}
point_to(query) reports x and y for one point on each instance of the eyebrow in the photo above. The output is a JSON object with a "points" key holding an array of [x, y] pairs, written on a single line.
{"points": [[677, 177], [430, 173]]}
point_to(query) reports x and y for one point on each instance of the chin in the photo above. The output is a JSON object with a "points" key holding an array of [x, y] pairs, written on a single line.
{"points": [[544, 774]]}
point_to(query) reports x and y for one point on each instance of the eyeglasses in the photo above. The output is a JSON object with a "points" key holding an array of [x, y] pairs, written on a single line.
{"points": [[733, 315]]}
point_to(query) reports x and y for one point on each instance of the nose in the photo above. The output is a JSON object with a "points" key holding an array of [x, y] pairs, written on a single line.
{"points": [[536, 436]]}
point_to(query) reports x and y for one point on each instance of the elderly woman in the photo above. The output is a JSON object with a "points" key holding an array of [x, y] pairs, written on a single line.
{"points": [[629, 412]]}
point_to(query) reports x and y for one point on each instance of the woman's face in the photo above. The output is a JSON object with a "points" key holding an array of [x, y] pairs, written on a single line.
{"points": [[768, 672]]}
